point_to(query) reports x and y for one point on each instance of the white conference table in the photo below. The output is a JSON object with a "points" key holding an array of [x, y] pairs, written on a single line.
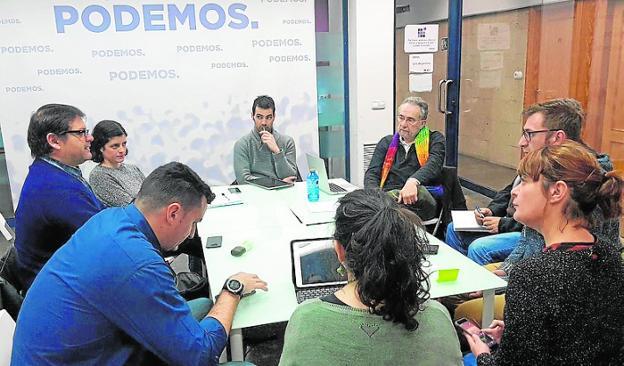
{"points": [[265, 220]]}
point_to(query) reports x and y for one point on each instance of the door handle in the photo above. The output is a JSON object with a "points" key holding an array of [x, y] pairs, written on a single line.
{"points": [[443, 90]]}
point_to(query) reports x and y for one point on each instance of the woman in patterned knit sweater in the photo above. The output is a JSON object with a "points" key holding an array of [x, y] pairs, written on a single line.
{"points": [[382, 316], [113, 181], [565, 306]]}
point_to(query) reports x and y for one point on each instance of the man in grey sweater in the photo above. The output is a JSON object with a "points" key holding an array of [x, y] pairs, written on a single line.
{"points": [[263, 152]]}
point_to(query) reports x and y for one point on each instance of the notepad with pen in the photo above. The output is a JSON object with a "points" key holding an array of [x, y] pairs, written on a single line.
{"points": [[223, 199], [466, 221]]}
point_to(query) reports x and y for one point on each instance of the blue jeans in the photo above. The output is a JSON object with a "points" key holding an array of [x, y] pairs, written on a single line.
{"points": [[470, 360], [482, 248], [200, 307], [493, 248]]}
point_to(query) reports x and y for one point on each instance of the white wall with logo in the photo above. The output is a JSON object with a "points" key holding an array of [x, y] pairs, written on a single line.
{"points": [[179, 75]]}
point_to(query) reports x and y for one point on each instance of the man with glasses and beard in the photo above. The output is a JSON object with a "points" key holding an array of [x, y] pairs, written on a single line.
{"points": [[55, 199], [264, 152], [405, 162]]}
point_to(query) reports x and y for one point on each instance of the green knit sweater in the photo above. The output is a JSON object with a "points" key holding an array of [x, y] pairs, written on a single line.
{"points": [[321, 333], [253, 159]]}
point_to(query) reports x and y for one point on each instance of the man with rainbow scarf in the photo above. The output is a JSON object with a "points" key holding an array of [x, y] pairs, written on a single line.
{"points": [[412, 158]]}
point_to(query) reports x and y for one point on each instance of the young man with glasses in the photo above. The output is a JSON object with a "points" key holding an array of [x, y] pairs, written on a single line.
{"points": [[548, 123], [55, 199], [264, 152], [407, 161]]}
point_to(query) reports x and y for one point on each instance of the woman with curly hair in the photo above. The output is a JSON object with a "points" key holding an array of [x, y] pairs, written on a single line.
{"points": [[565, 305], [383, 315]]}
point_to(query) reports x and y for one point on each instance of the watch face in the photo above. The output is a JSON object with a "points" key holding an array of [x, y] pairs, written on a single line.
{"points": [[234, 285]]}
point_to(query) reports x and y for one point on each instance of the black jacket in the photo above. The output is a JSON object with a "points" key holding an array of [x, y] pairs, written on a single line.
{"points": [[500, 208], [408, 166]]}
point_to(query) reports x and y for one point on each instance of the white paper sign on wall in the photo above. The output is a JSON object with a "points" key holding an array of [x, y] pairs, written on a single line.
{"points": [[493, 36], [421, 38], [420, 82], [421, 62]]}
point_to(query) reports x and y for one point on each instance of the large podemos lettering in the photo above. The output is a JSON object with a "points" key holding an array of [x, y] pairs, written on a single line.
{"points": [[154, 17]]}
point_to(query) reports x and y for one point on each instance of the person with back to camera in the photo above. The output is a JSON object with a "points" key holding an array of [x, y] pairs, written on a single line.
{"points": [[383, 315], [114, 182], [565, 305]]}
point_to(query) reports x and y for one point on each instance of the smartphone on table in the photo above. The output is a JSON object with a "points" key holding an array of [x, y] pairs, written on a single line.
{"points": [[214, 241], [234, 190], [430, 249], [468, 326]]}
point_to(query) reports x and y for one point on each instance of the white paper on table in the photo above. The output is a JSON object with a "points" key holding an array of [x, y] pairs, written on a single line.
{"points": [[421, 62], [421, 38], [420, 82], [322, 206], [302, 213]]}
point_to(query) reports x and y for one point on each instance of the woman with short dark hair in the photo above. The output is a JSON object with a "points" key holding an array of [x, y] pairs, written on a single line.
{"points": [[383, 315], [565, 305], [114, 182]]}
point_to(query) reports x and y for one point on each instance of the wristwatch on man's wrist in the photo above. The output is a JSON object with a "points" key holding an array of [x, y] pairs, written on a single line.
{"points": [[234, 286]]}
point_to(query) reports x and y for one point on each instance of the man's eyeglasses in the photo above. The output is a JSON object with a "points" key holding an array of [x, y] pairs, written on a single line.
{"points": [[529, 134], [410, 120], [80, 133]]}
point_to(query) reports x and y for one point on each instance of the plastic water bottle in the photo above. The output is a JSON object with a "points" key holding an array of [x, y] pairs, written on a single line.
{"points": [[313, 186]]}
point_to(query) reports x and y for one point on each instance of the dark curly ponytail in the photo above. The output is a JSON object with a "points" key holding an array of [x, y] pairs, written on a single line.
{"points": [[383, 252]]}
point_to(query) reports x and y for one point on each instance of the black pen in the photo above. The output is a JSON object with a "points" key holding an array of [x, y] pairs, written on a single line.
{"points": [[479, 212], [298, 219], [226, 197]]}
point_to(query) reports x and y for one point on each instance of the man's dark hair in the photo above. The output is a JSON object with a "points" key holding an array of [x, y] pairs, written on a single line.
{"points": [[264, 102], [383, 251], [50, 118], [102, 133], [565, 114], [173, 182]]}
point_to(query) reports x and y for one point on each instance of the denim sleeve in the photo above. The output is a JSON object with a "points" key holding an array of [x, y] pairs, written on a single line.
{"points": [[530, 243], [150, 310]]}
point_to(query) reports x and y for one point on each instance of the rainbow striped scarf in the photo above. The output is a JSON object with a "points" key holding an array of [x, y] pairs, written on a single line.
{"points": [[422, 152]]}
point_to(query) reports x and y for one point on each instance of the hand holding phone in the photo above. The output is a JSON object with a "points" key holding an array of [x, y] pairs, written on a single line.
{"points": [[470, 327], [495, 330]]}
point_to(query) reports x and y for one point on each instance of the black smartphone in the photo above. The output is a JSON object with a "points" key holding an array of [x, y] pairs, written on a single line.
{"points": [[468, 326], [431, 249], [234, 190], [214, 241]]}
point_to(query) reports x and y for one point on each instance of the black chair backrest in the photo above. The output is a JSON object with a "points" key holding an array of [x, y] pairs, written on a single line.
{"points": [[453, 198], [9, 270]]}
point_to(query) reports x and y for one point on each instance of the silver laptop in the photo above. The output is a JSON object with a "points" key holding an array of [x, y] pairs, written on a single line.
{"points": [[318, 164], [314, 265]]}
